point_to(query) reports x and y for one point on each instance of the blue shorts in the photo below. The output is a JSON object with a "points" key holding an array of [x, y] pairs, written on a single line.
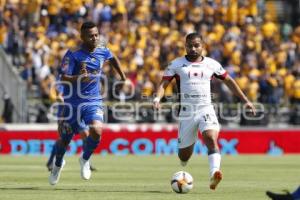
{"points": [[78, 118]]}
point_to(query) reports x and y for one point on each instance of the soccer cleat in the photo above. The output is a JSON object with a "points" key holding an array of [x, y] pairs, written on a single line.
{"points": [[85, 169], [215, 180], [55, 173], [275, 196]]}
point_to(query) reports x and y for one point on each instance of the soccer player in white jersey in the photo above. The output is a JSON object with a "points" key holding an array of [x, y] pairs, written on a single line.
{"points": [[194, 73]]}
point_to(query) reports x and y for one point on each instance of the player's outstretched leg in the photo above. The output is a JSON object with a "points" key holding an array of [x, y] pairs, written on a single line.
{"points": [[83, 145], [185, 154], [55, 173], [49, 163], [92, 141], [60, 148], [88, 149], [59, 163], [214, 157]]}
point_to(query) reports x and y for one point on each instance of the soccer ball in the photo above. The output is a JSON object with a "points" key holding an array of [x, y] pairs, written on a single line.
{"points": [[182, 182]]}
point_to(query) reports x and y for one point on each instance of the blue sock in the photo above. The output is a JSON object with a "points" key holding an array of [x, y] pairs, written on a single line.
{"points": [[296, 193], [60, 152], [53, 152], [89, 147], [84, 143]]}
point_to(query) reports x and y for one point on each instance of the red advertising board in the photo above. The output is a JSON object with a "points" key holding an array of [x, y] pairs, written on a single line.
{"points": [[153, 139]]}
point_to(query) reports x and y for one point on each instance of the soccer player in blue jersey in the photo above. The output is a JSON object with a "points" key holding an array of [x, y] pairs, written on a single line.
{"points": [[82, 100]]}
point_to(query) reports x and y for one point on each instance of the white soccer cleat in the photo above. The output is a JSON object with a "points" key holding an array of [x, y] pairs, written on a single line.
{"points": [[55, 173], [215, 180], [85, 169]]}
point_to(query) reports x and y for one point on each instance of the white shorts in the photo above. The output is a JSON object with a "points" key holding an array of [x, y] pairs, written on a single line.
{"points": [[204, 119]]}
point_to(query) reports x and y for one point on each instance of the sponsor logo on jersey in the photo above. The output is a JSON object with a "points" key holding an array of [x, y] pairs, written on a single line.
{"points": [[195, 74]]}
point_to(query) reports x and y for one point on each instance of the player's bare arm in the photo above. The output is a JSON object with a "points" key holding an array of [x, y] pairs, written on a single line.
{"points": [[232, 85], [115, 63], [160, 93], [73, 78]]}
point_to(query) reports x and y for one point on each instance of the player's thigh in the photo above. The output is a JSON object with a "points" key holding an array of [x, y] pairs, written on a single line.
{"points": [[91, 113], [208, 119], [68, 124], [187, 133], [209, 126], [93, 116]]}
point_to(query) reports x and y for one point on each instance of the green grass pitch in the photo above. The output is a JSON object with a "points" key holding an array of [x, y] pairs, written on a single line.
{"points": [[147, 178]]}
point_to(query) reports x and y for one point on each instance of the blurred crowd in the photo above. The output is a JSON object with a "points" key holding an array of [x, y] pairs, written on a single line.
{"points": [[260, 53]]}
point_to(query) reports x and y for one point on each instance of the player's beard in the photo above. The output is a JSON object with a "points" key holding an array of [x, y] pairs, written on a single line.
{"points": [[194, 56], [92, 45]]}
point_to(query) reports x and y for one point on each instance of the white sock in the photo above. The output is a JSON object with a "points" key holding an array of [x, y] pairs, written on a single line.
{"points": [[214, 161]]}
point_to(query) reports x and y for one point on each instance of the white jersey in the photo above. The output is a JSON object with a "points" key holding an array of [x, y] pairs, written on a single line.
{"points": [[194, 79]]}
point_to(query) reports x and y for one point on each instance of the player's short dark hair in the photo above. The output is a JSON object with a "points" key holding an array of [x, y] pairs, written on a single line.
{"points": [[87, 25], [192, 36]]}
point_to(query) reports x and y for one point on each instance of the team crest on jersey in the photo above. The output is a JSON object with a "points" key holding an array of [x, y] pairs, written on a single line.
{"points": [[93, 59], [195, 74]]}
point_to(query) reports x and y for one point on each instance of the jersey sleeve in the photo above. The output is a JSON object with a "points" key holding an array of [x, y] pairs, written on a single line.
{"points": [[169, 73], [67, 64], [219, 71]]}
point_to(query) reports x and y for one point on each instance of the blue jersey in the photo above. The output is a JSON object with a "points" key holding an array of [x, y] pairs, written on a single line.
{"points": [[82, 91]]}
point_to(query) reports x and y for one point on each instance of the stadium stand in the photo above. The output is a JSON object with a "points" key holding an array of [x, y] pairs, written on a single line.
{"points": [[256, 41]]}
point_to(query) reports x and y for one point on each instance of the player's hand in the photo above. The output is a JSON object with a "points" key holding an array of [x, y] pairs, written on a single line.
{"points": [[59, 98], [126, 83], [251, 107], [156, 103], [84, 74]]}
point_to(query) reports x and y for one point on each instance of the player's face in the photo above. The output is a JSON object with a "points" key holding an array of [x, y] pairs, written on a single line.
{"points": [[90, 37], [194, 47]]}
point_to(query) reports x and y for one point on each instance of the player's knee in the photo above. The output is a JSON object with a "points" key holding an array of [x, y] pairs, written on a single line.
{"points": [[64, 142], [95, 133]]}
